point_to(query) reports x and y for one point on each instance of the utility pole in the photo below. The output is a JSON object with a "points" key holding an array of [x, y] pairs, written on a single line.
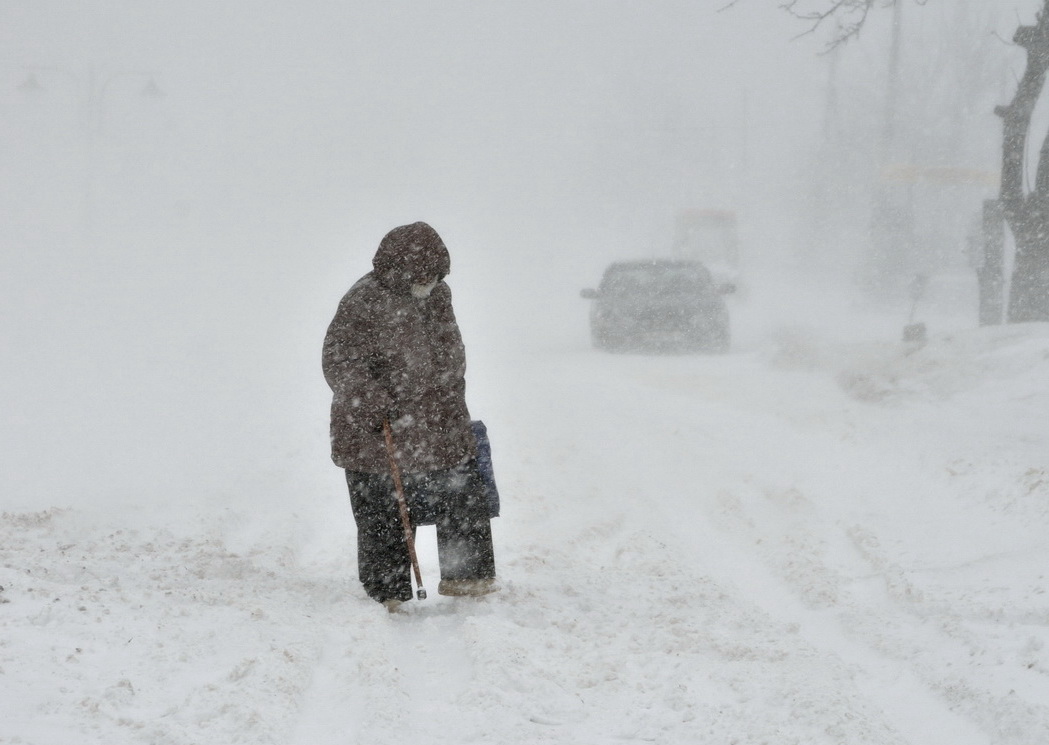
{"points": [[892, 221], [892, 94]]}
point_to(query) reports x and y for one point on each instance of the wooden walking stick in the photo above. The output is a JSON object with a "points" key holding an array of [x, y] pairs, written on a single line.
{"points": [[402, 506]]}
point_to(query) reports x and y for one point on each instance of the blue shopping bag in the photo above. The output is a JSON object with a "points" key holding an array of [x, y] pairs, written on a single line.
{"points": [[484, 466], [422, 498]]}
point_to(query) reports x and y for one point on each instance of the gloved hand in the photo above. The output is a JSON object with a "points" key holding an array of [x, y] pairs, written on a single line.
{"points": [[399, 422], [377, 409]]}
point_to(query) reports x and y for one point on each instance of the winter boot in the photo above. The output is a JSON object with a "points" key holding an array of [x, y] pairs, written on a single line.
{"points": [[466, 587]]}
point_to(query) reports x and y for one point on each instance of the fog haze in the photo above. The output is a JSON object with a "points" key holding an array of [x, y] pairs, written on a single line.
{"points": [[831, 532], [170, 261]]}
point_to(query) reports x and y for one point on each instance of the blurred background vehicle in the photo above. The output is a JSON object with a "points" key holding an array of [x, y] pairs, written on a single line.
{"points": [[710, 236], [659, 305]]}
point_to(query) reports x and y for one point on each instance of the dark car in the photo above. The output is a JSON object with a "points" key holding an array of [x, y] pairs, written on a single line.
{"points": [[659, 305]]}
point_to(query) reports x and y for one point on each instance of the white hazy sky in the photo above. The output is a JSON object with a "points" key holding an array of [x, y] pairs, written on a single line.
{"points": [[412, 103]]}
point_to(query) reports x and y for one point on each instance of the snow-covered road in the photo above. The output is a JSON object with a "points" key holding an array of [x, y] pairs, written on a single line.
{"points": [[803, 542]]}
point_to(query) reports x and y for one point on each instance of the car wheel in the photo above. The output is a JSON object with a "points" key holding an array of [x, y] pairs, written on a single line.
{"points": [[600, 339], [608, 341]]}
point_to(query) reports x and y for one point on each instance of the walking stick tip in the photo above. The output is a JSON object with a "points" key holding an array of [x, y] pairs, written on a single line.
{"points": [[421, 593]]}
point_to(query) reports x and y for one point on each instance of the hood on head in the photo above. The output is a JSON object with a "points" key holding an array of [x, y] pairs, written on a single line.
{"points": [[410, 255]]}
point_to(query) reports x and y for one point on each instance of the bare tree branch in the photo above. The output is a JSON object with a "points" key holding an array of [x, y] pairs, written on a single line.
{"points": [[851, 15]]}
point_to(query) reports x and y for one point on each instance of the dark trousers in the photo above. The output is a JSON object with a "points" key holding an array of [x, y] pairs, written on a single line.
{"points": [[452, 500]]}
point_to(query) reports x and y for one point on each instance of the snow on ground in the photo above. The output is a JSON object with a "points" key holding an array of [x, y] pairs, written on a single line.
{"points": [[805, 541]]}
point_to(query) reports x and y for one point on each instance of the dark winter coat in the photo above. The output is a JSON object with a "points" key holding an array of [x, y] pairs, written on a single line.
{"points": [[390, 354]]}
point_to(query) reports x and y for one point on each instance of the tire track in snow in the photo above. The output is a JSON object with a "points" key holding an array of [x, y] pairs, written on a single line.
{"points": [[795, 578], [870, 612], [797, 560], [638, 647], [970, 686], [913, 645]]}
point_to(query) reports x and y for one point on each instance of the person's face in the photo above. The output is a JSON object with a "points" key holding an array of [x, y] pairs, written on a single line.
{"points": [[422, 290]]}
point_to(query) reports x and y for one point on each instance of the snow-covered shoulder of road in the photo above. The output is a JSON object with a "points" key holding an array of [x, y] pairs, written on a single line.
{"points": [[808, 541]]}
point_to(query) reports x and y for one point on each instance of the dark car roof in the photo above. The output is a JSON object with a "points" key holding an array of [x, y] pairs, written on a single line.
{"points": [[657, 268], [655, 264]]}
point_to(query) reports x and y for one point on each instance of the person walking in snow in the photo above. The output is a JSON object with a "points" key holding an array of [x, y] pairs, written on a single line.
{"points": [[393, 353]]}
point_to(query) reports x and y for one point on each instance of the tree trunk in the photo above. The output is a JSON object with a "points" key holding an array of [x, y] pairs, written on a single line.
{"points": [[1027, 214], [1029, 294]]}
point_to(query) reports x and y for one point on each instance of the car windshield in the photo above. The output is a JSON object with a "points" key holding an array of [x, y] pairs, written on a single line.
{"points": [[652, 279]]}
